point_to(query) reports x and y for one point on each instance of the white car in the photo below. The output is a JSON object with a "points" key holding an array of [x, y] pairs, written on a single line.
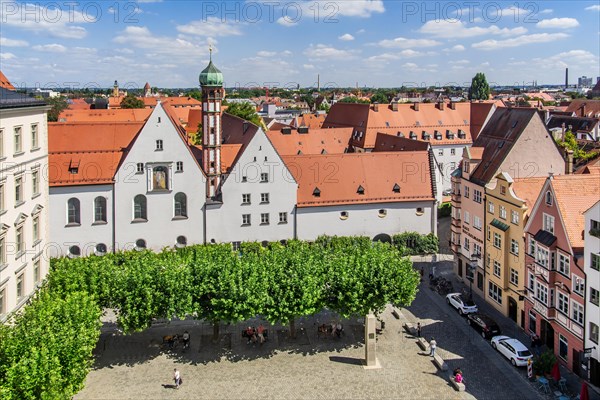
{"points": [[461, 303], [512, 349]]}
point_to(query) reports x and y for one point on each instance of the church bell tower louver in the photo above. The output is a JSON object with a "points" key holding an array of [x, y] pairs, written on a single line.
{"points": [[211, 82]]}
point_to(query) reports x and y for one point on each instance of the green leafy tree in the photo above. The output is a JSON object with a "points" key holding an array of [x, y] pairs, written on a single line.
{"points": [[59, 104], [130, 101], [479, 90], [570, 142], [247, 112], [46, 352], [380, 97], [295, 283]]}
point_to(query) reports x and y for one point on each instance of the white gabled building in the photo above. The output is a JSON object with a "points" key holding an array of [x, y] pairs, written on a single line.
{"points": [[592, 279], [158, 184], [257, 193], [23, 197]]}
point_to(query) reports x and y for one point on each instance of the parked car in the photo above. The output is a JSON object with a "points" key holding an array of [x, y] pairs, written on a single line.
{"points": [[461, 303], [512, 349], [484, 324]]}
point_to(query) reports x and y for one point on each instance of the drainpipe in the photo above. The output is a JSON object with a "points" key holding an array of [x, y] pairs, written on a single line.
{"points": [[114, 250], [295, 222], [204, 223], [434, 217]]}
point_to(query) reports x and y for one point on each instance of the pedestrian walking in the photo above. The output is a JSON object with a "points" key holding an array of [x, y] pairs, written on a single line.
{"points": [[418, 329], [432, 346], [176, 378]]}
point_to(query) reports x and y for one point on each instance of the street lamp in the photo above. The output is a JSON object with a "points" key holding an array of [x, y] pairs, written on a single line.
{"points": [[472, 266]]}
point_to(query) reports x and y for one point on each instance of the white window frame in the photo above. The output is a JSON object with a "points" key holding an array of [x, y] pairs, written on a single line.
{"points": [[246, 198], [246, 220], [467, 217], [35, 137], [577, 314], [494, 292], [497, 269], [35, 182], [564, 262], [497, 240], [541, 293], [477, 222], [578, 285], [18, 139], [265, 219], [542, 256], [283, 217], [548, 223], [502, 212], [514, 247], [514, 276], [514, 217], [477, 196], [491, 207], [562, 302], [264, 198]]}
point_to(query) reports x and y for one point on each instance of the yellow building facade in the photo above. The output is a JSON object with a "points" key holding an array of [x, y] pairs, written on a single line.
{"points": [[507, 207]]}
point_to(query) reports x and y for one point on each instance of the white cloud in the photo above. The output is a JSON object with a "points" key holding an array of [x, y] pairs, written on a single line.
{"points": [[324, 51], [308, 66], [6, 42], [360, 31], [569, 58], [408, 53], [410, 66], [595, 7], [454, 49], [460, 62], [264, 53], [547, 11], [519, 41], [404, 43], [7, 56], [160, 47], [346, 37], [124, 51], [54, 48], [287, 21], [210, 27], [458, 29], [54, 22], [558, 23], [354, 8]]}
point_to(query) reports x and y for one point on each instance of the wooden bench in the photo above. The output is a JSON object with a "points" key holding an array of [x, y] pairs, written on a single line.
{"points": [[410, 328], [440, 363], [423, 344], [458, 386]]}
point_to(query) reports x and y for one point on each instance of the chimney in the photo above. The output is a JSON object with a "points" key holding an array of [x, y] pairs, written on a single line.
{"points": [[566, 78], [375, 107], [416, 106], [569, 163], [441, 105], [452, 105], [395, 106], [583, 110]]}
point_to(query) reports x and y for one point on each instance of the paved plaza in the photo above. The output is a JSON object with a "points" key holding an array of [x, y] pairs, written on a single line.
{"points": [[139, 366]]}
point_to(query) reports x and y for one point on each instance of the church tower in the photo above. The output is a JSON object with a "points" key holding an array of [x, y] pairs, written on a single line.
{"points": [[211, 82], [116, 89]]}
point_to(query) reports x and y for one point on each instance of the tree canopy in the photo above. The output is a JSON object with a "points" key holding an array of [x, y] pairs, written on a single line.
{"points": [[479, 90], [130, 101], [59, 104], [353, 99], [245, 111], [380, 97]]}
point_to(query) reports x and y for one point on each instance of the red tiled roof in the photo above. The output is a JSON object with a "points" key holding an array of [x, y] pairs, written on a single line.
{"points": [[87, 153], [575, 194], [316, 141], [110, 115], [5, 83], [585, 108], [376, 173], [78, 104], [429, 118], [528, 189], [385, 142], [312, 121]]}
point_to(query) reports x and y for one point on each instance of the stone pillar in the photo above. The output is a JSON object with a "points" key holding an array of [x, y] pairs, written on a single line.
{"points": [[371, 343]]}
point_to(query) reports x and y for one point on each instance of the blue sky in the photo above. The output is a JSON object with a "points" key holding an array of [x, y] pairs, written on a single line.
{"points": [[285, 43]]}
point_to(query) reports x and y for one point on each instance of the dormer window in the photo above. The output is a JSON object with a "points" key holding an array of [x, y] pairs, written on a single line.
{"points": [[360, 190], [396, 188], [159, 145], [316, 192], [548, 198]]}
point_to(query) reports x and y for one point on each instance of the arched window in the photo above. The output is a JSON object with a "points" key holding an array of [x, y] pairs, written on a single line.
{"points": [[73, 212], [140, 212], [181, 241], [548, 198], [160, 178], [181, 205], [101, 249], [100, 209], [74, 251]]}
